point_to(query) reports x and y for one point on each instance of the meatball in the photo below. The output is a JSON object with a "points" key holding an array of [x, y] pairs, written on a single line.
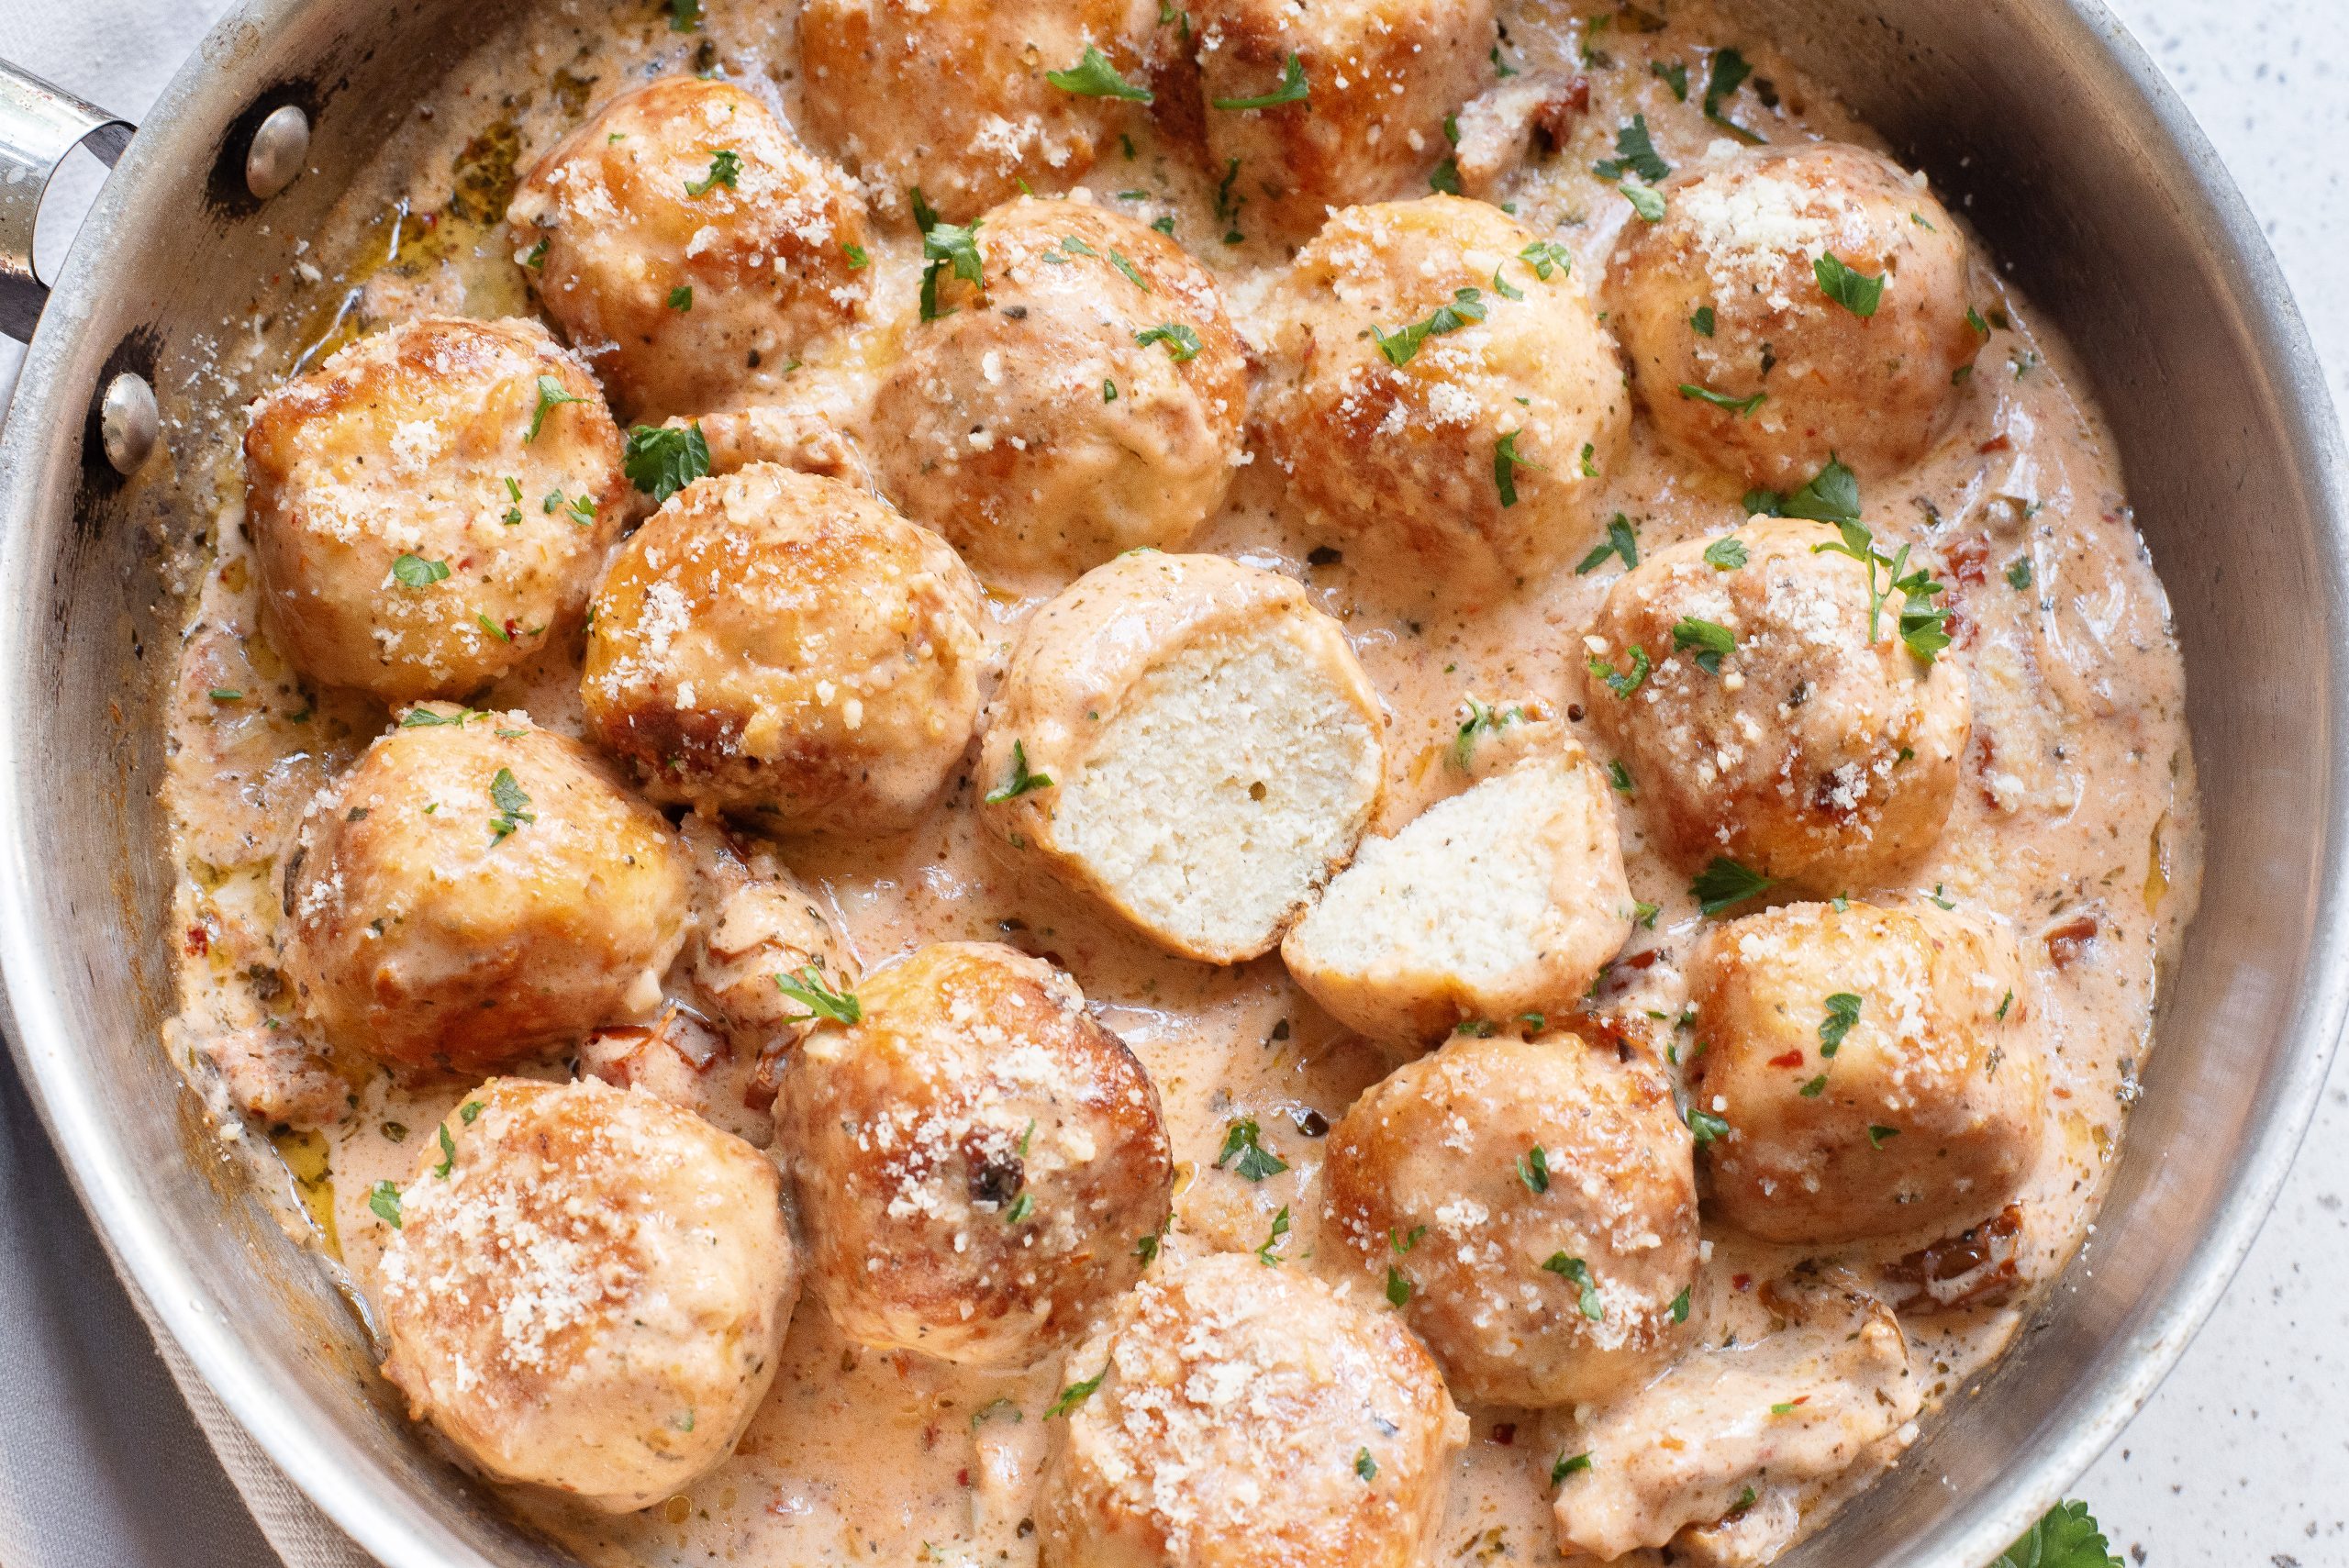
{"points": [[586, 1290], [1189, 743], [1427, 388], [954, 95], [1232, 1415], [688, 247], [976, 1159], [1796, 303], [1364, 87], [778, 643], [431, 505], [475, 890], [1769, 716], [1532, 1204], [1500, 903], [1878, 1070], [1086, 399]]}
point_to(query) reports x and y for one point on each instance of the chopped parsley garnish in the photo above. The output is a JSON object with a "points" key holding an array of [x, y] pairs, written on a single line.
{"points": [[1702, 322], [1680, 1306], [385, 1199], [662, 459], [1400, 345], [1118, 260], [1620, 542], [1164, 223], [1575, 1271], [1921, 627], [1644, 913], [1533, 1170], [225, 693], [2018, 574], [1843, 1012], [1146, 1247], [1398, 1289], [1019, 1209], [1728, 74], [468, 1111], [1739, 406], [682, 297], [858, 257], [1506, 463], [945, 247], [1001, 1404], [1505, 288], [1724, 883], [1445, 181], [1022, 780], [684, 16], [1725, 554], [1242, 1142], [725, 167], [1675, 76], [1645, 200], [1365, 1466], [414, 571], [1094, 77], [536, 256], [1703, 1126], [1108, 392], [423, 717], [1709, 638], [513, 806], [1877, 1135], [448, 1154], [1590, 466], [1402, 1243], [1974, 320], [1814, 1089], [1280, 1228], [1622, 683], [1833, 495], [2064, 1537], [1634, 153], [1619, 779], [1294, 89], [807, 987], [1547, 256], [1481, 721], [1854, 290], [1075, 1393], [2004, 1002], [1501, 67], [513, 518], [1182, 342], [1567, 1464], [482, 619]]}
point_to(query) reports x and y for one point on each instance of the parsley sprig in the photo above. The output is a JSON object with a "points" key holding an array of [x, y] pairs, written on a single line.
{"points": [[2064, 1537], [1400, 345], [1094, 77], [1021, 781], [1241, 1140], [1724, 883], [1294, 89], [807, 987], [1922, 628], [945, 247], [662, 459]]}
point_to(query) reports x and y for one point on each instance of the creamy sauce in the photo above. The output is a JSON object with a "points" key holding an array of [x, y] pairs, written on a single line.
{"points": [[2076, 819]]}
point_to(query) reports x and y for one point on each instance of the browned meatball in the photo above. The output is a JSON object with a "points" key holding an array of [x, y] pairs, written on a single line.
{"points": [[976, 1159], [431, 505], [1728, 295], [1534, 1204], [1246, 1417], [585, 1289], [1812, 750], [1378, 79], [954, 95], [688, 246], [1087, 399], [783, 645], [475, 890], [1403, 390], [1879, 1070]]}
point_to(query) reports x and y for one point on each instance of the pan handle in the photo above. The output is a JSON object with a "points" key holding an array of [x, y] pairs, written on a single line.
{"points": [[39, 124]]}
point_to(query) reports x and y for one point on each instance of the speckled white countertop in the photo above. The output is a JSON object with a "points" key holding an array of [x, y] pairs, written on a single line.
{"points": [[2242, 1459]]}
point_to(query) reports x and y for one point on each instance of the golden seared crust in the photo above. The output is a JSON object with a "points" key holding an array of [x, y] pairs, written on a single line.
{"points": [[587, 1289], [1812, 754], [951, 95], [975, 1160], [1743, 239], [1248, 1417], [638, 204], [1434, 1179], [1212, 750], [1034, 428], [475, 890], [782, 644], [1381, 77], [1402, 457], [417, 445], [1503, 901], [1926, 1114]]}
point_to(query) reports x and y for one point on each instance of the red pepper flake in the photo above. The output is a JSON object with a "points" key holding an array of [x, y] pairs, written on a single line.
{"points": [[1997, 443], [1641, 960], [963, 1476], [2068, 941], [199, 942], [1743, 1282], [1504, 1433], [1791, 1059]]}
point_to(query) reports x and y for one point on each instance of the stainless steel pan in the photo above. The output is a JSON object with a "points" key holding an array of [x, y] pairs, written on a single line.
{"points": [[2079, 166]]}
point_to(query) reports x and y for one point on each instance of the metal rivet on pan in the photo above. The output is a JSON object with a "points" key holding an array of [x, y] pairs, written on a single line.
{"points": [[128, 422], [278, 148]]}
